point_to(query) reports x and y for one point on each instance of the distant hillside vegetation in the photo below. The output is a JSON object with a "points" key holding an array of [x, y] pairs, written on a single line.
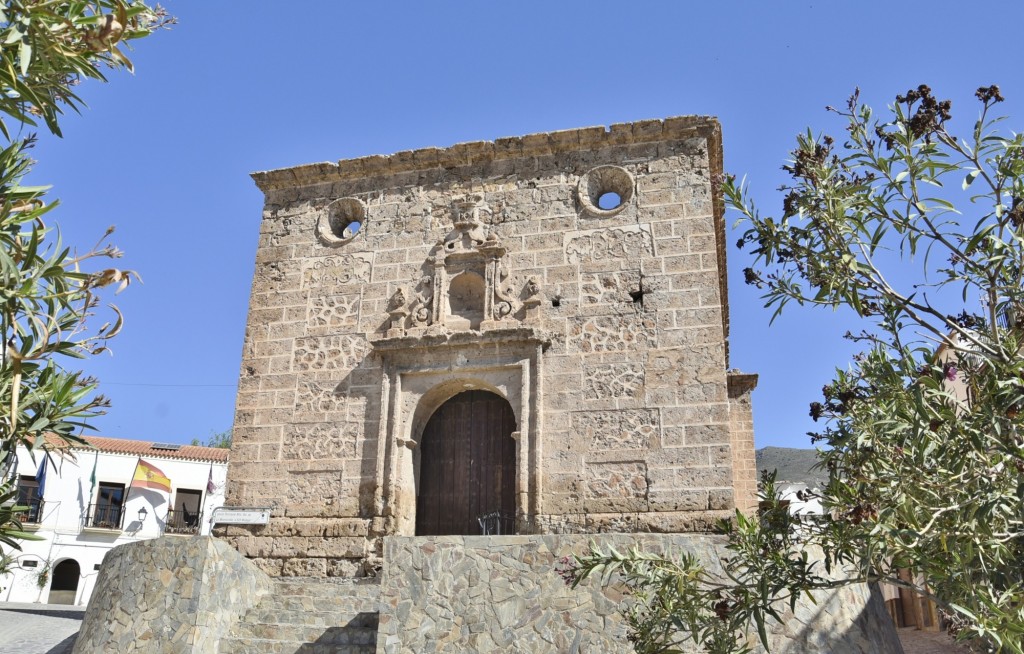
{"points": [[792, 463]]}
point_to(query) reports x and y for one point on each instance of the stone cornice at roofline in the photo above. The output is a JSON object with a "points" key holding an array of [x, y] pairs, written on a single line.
{"points": [[475, 152]]}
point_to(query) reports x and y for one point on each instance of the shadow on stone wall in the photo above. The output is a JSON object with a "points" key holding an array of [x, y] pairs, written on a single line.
{"points": [[827, 625], [347, 639], [63, 647]]}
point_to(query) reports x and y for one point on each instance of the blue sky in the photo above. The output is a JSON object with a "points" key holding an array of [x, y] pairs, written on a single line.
{"points": [[238, 87]]}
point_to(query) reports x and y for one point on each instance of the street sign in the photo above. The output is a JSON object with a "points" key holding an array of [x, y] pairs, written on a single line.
{"points": [[231, 515]]}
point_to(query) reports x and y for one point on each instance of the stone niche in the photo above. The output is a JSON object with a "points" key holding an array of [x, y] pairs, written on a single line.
{"points": [[523, 336]]}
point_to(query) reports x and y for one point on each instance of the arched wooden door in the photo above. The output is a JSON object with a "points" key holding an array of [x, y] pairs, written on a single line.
{"points": [[467, 465]]}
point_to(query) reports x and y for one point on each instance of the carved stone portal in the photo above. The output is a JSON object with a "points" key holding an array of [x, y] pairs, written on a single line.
{"points": [[422, 372]]}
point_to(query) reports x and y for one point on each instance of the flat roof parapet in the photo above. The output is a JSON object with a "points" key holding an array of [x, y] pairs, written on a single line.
{"points": [[474, 152]]}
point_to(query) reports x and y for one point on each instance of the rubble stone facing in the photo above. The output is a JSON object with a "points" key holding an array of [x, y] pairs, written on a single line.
{"points": [[502, 594], [448, 594], [493, 266], [168, 596]]}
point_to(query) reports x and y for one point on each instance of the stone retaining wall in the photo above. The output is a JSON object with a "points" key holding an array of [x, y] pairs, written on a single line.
{"points": [[169, 596], [502, 594], [437, 595]]}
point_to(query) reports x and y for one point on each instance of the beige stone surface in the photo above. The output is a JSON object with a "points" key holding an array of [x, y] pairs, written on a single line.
{"points": [[929, 642], [386, 285]]}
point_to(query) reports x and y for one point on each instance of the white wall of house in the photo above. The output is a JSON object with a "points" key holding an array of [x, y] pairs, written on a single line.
{"points": [[808, 506], [67, 512]]}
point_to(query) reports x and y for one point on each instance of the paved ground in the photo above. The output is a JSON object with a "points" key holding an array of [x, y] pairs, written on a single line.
{"points": [[929, 642], [38, 628], [50, 629]]}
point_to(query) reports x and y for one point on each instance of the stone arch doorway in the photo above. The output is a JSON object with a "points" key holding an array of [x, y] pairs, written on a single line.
{"points": [[467, 466], [64, 587]]}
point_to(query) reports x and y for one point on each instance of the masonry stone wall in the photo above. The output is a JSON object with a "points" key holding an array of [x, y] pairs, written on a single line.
{"points": [[168, 595], [434, 594], [503, 594], [386, 285]]}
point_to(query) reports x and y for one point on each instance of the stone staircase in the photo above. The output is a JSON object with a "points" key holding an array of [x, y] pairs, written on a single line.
{"points": [[310, 616]]}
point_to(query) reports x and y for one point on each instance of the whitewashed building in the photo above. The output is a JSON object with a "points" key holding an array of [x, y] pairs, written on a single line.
{"points": [[78, 520]]}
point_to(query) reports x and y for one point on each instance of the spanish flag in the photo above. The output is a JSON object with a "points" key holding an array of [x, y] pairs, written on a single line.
{"points": [[148, 475]]}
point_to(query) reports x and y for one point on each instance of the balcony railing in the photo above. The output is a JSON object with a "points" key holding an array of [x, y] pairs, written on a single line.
{"points": [[183, 522], [105, 516], [33, 513]]}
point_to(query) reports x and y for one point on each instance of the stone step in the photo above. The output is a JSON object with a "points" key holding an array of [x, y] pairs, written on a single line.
{"points": [[326, 603], [319, 587], [316, 634], [233, 645], [310, 616], [323, 619]]}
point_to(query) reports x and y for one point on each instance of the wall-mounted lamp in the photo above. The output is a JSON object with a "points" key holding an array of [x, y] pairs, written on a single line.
{"points": [[142, 514]]}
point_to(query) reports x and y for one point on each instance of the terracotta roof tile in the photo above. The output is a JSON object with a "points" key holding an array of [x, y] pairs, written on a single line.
{"points": [[146, 449]]}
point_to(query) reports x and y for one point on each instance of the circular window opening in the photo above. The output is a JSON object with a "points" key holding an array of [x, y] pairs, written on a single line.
{"points": [[605, 190], [609, 201], [345, 218]]}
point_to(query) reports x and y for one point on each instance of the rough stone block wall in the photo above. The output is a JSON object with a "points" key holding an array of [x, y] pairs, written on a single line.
{"points": [[169, 595], [502, 594], [605, 329]]}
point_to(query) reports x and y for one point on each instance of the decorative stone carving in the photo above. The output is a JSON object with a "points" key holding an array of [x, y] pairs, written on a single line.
{"points": [[533, 301], [619, 480], [622, 246], [342, 352], [317, 400], [397, 311], [422, 310], [613, 381], [464, 290], [612, 333], [322, 442], [332, 313], [333, 271], [626, 429]]}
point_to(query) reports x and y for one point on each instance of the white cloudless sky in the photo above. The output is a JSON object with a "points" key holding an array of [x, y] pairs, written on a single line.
{"points": [[237, 87]]}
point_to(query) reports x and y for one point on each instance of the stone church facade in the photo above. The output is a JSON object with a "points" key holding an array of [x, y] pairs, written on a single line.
{"points": [[522, 336], [461, 366]]}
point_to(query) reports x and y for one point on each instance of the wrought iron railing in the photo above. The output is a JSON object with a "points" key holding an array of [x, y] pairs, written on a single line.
{"points": [[33, 513], [105, 516], [183, 522], [497, 523]]}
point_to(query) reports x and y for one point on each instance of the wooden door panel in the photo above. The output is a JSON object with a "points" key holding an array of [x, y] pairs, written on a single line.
{"points": [[467, 464]]}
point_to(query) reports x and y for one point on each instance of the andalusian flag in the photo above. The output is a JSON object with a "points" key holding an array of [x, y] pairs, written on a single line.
{"points": [[149, 476]]}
